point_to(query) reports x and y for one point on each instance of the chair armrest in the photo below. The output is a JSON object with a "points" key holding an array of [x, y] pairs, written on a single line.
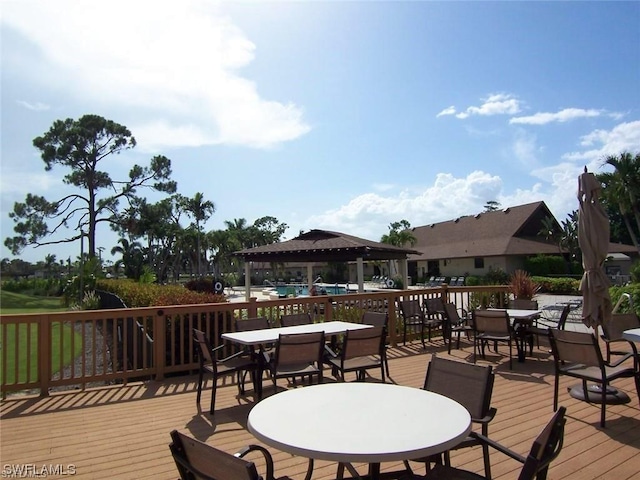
{"points": [[633, 354], [265, 453], [501, 448], [488, 417]]}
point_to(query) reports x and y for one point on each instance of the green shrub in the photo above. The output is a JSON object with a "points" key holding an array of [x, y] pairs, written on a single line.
{"points": [[558, 286], [633, 290], [540, 265], [135, 294], [635, 272]]}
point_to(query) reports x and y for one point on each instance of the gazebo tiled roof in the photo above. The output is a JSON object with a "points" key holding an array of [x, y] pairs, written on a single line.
{"points": [[324, 246]]}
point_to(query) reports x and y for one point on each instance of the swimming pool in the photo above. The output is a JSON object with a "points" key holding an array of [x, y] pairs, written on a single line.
{"points": [[297, 290]]}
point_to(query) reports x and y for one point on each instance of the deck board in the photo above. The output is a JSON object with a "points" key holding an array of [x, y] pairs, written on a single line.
{"points": [[123, 431]]}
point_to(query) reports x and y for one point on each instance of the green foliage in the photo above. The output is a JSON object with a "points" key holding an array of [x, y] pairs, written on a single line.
{"points": [[633, 290], [495, 277], [348, 314], [398, 283], [135, 294], [43, 287], [635, 272], [90, 301], [558, 286], [546, 265]]}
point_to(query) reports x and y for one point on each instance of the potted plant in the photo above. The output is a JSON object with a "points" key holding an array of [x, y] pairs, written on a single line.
{"points": [[523, 288]]}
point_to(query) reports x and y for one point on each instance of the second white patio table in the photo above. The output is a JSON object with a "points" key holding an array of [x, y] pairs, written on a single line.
{"points": [[633, 335], [270, 335], [359, 422]]}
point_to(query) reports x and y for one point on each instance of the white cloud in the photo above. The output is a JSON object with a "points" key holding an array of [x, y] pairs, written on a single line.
{"points": [[623, 137], [447, 111], [565, 115], [34, 106], [157, 61], [494, 104], [524, 148], [370, 214]]}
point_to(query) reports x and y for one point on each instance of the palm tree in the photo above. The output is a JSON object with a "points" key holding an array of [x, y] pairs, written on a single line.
{"points": [[200, 210], [622, 188], [400, 235]]}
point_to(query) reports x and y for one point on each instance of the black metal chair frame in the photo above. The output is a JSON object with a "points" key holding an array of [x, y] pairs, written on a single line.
{"points": [[236, 364], [578, 355]]}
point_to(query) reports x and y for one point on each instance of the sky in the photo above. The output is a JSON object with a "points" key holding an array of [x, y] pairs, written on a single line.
{"points": [[336, 115]]}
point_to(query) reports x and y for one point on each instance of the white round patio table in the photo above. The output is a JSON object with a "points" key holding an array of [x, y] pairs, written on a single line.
{"points": [[359, 422]]}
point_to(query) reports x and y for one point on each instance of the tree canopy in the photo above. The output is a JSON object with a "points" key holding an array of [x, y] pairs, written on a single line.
{"points": [[80, 146]]}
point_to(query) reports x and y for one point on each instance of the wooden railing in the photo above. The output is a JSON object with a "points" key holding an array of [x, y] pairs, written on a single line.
{"points": [[95, 347]]}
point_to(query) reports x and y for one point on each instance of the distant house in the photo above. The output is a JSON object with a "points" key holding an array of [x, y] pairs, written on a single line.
{"points": [[474, 244]]}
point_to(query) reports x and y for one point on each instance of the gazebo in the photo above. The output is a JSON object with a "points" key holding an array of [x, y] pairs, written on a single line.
{"points": [[325, 246]]}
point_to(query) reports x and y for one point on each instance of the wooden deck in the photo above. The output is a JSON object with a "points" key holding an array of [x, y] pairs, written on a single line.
{"points": [[123, 432]]}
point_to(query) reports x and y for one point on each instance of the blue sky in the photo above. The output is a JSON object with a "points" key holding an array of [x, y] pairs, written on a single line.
{"points": [[335, 115]]}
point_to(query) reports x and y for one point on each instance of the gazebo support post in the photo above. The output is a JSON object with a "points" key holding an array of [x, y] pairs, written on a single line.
{"points": [[360, 274], [309, 277], [247, 280]]}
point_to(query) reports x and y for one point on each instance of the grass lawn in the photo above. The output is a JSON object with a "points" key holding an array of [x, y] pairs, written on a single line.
{"points": [[27, 339]]}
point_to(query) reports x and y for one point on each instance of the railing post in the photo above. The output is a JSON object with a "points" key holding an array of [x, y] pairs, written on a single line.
{"points": [[44, 353], [253, 307], [159, 343], [393, 320]]}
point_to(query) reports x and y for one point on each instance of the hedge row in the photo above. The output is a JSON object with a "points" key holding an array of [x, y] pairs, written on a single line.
{"points": [[135, 294]]}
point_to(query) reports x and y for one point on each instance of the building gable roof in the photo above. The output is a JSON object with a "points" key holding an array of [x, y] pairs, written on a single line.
{"points": [[512, 231]]}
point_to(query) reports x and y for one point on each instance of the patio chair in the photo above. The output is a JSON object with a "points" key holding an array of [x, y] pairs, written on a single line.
{"points": [[237, 364], [195, 459], [612, 334], [257, 323], [291, 319], [361, 350], [454, 324], [472, 387], [492, 326], [543, 331], [434, 314], [577, 355], [546, 448], [298, 355], [379, 319], [412, 318]]}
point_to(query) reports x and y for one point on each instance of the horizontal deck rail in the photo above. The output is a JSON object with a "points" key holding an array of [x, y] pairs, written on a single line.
{"points": [[77, 349]]}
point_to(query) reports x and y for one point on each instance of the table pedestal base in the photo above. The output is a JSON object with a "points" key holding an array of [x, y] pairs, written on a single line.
{"points": [[594, 394]]}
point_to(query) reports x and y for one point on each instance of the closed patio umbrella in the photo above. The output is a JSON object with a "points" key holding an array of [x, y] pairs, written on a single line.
{"points": [[593, 237]]}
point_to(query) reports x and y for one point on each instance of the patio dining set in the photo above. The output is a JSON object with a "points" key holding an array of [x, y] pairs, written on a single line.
{"points": [[452, 411]]}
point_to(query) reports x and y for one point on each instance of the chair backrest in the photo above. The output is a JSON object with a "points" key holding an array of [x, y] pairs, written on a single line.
{"points": [[469, 384], [203, 347], [300, 348], [619, 323], [197, 460], [363, 342], [494, 321], [291, 319], [255, 323], [523, 304], [546, 447], [410, 308], [451, 313], [562, 321], [434, 305], [377, 319], [575, 347]]}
